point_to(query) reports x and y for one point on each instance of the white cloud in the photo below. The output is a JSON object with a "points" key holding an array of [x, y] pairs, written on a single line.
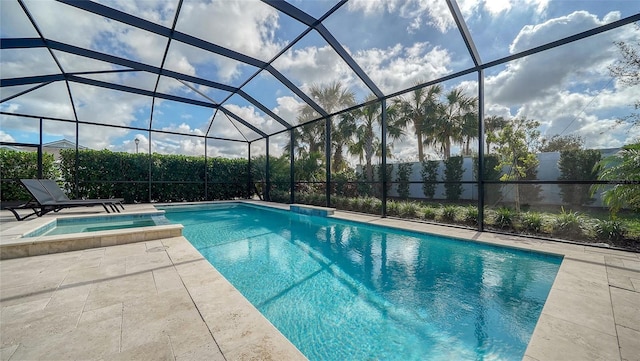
{"points": [[10, 107], [534, 35], [161, 12], [419, 12], [497, 110], [392, 69], [176, 144], [53, 19], [244, 26], [4, 137], [371, 6], [38, 62], [128, 145], [178, 62], [398, 67], [252, 116], [95, 137], [500, 7], [546, 73], [567, 88], [607, 133], [437, 13], [52, 100], [591, 116], [497, 6], [183, 128], [106, 106], [288, 109], [314, 65], [13, 21], [190, 60]]}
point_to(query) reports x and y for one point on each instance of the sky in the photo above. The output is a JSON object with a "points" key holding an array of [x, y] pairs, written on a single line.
{"points": [[396, 43]]}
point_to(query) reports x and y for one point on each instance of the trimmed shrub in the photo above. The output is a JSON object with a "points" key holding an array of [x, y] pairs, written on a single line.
{"points": [[429, 174], [343, 183], [491, 173], [379, 176], [403, 176], [23, 165], [578, 164], [174, 178], [453, 175]]}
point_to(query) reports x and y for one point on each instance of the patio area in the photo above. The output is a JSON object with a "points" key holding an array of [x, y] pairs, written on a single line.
{"points": [[154, 300], [162, 300]]}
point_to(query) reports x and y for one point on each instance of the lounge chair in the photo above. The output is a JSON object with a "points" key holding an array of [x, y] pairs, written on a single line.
{"points": [[59, 195], [43, 201]]}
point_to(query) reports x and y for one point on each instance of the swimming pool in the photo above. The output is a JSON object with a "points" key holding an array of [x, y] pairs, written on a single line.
{"points": [[345, 290]]}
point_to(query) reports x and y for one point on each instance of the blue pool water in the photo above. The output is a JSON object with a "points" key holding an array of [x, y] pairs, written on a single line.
{"points": [[349, 291]]}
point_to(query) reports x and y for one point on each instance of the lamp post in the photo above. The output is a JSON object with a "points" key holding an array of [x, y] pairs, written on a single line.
{"points": [[137, 141]]}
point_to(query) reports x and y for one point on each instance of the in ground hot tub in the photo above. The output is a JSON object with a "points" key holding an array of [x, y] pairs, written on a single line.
{"points": [[77, 233]]}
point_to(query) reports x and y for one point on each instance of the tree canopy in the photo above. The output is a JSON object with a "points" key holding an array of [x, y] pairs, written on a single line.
{"points": [[627, 71]]}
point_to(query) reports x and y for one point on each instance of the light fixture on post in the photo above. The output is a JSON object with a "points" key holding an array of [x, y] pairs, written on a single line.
{"points": [[137, 141]]}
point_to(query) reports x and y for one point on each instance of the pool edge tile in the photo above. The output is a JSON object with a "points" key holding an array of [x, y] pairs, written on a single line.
{"points": [[558, 339]]}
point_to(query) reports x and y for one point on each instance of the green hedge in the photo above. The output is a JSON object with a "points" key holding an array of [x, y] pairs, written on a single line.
{"points": [[22, 165], [174, 178]]}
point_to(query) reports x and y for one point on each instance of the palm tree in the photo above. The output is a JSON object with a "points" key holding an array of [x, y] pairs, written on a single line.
{"points": [[492, 125], [341, 139], [418, 109], [449, 127], [469, 129], [307, 139], [368, 119], [332, 97]]}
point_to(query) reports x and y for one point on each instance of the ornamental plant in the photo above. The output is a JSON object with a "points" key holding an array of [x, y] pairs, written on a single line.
{"points": [[623, 172]]}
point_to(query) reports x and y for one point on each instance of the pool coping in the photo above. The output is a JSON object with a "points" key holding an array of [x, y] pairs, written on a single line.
{"points": [[592, 311]]}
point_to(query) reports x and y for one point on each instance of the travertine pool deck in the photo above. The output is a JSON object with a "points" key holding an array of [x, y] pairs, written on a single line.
{"points": [[159, 299]]}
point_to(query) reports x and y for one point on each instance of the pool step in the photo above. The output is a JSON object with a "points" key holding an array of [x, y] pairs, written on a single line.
{"points": [[311, 210]]}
